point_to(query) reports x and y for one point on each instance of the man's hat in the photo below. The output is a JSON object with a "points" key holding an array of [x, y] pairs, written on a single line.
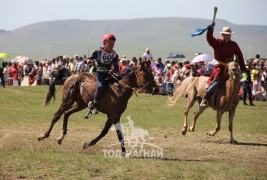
{"points": [[226, 30]]}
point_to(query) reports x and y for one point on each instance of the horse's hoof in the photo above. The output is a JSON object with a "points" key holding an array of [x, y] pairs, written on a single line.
{"points": [[184, 132], [85, 146], [232, 141], [40, 138], [59, 141], [211, 133], [190, 129]]}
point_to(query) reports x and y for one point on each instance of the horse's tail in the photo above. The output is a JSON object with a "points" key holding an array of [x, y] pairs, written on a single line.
{"points": [[51, 93], [181, 91]]}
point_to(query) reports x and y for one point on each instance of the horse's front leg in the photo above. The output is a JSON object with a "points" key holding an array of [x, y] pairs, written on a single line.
{"points": [[105, 130], [184, 130], [120, 136], [231, 118], [218, 124]]}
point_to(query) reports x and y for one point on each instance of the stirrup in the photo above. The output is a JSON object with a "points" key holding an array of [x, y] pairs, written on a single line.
{"points": [[204, 103], [92, 109]]}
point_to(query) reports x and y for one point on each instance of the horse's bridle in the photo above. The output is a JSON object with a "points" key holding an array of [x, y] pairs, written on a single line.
{"points": [[133, 88], [144, 85]]}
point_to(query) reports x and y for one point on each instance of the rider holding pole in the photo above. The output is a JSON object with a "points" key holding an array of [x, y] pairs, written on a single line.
{"points": [[224, 51], [105, 57]]}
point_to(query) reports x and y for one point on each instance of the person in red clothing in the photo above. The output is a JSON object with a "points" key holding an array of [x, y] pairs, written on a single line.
{"points": [[224, 51], [14, 73]]}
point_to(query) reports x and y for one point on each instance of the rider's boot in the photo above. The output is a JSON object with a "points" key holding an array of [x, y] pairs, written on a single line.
{"points": [[91, 109], [92, 105], [204, 102]]}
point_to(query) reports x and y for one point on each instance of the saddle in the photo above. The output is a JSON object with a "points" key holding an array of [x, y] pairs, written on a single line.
{"points": [[225, 92]]}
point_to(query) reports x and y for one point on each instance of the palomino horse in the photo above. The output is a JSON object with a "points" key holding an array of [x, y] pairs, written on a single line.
{"points": [[226, 98], [79, 89]]}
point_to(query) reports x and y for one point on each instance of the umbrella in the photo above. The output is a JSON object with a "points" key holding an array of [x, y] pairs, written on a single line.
{"points": [[176, 55], [214, 61], [4, 55], [201, 57], [23, 60]]}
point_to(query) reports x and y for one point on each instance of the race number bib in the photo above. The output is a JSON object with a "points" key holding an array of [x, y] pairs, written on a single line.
{"points": [[107, 58]]}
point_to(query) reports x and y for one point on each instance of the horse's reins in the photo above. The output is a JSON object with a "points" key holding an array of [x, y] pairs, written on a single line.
{"points": [[126, 85]]}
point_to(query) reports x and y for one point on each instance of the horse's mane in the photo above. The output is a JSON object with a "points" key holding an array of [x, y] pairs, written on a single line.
{"points": [[129, 72]]}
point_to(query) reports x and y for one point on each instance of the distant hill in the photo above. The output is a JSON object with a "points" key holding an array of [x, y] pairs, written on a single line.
{"points": [[162, 35]]}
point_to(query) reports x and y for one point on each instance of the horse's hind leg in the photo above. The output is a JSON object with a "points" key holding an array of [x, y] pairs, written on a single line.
{"points": [[231, 118], [196, 115], [218, 125], [64, 106], [191, 101], [105, 130], [78, 106]]}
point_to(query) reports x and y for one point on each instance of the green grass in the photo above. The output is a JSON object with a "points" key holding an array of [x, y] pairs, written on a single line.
{"points": [[194, 156]]}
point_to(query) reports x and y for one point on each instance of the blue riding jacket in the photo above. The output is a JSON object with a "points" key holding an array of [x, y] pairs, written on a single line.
{"points": [[105, 60]]}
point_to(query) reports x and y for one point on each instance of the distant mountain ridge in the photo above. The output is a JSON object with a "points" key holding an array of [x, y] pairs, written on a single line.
{"points": [[162, 35]]}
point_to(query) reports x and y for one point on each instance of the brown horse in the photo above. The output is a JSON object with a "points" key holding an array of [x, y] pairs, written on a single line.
{"points": [[79, 89], [225, 99]]}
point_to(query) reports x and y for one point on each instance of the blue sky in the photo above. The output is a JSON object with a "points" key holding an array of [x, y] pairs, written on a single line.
{"points": [[18, 13]]}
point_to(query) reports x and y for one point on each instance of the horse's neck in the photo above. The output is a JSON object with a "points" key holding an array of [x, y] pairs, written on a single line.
{"points": [[128, 84], [233, 86]]}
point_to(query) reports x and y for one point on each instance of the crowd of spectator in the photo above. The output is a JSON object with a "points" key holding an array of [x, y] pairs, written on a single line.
{"points": [[168, 75]]}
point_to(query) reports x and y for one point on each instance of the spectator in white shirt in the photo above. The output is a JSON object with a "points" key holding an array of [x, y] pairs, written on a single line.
{"points": [[147, 55]]}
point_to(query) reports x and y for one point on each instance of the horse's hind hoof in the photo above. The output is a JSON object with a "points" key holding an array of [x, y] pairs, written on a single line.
{"points": [[41, 137], [59, 141], [85, 146], [233, 141]]}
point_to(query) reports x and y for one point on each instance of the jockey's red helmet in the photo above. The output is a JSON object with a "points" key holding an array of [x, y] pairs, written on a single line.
{"points": [[108, 36]]}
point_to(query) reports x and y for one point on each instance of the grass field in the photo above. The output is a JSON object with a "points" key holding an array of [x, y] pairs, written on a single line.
{"points": [[194, 156]]}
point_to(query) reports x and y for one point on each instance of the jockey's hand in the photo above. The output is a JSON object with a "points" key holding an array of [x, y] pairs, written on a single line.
{"points": [[113, 74], [213, 22]]}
